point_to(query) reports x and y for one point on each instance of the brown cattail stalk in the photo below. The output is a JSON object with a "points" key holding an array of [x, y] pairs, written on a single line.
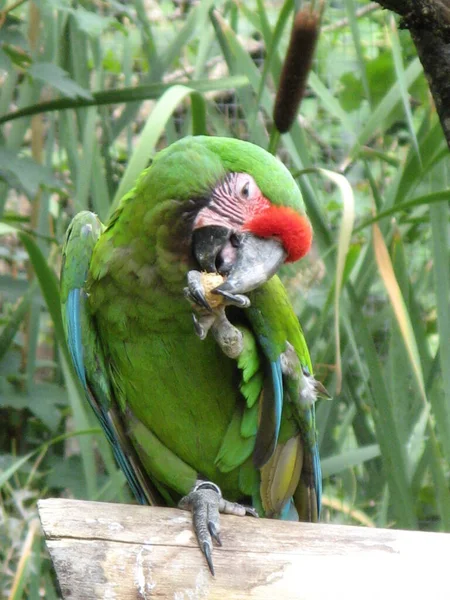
{"points": [[297, 64]]}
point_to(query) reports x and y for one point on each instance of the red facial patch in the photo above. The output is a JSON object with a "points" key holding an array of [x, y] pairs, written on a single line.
{"points": [[294, 230]]}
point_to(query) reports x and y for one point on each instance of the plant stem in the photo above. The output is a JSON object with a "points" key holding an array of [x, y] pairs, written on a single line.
{"points": [[274, 140]]}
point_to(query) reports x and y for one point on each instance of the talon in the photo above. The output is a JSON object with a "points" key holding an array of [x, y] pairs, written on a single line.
{"points": [[214, 532], [237, 299], [195, 292], [205, 502], [207, 553], [199, 329]]}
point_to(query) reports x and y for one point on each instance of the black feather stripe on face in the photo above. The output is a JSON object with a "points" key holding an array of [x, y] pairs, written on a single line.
{"points": [[224, 201]]}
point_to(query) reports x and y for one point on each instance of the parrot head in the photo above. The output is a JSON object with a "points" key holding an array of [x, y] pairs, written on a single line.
{"points": [[244, 208]]}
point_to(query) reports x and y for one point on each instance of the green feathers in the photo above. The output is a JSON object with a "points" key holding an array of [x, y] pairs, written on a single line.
{"points": [[173, 406]]}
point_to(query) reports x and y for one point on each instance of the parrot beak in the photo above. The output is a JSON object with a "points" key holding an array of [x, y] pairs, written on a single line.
{"points": [[257, 260], [207, 244], [248, 261]]}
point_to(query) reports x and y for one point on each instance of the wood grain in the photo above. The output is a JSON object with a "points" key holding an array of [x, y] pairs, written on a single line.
{"points": [[115, 551]]}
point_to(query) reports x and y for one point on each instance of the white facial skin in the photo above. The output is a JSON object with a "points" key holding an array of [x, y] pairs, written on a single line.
{"points": [[234, 201]]}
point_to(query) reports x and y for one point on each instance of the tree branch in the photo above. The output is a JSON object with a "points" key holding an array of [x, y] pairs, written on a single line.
{"points": [[429, 24]]}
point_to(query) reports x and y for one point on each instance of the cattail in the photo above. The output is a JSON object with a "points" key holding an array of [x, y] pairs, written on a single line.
{"points": [[297, 65]]}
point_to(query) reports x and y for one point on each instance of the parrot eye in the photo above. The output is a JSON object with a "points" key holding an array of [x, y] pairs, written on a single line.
{"points": [[245, 191]]}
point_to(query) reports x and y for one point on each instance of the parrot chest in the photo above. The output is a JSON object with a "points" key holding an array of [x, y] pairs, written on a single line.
{"points": [[182, 389]]}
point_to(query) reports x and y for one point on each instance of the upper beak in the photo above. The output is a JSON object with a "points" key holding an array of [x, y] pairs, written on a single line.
{"points": [[207, 244], [256, 259]]}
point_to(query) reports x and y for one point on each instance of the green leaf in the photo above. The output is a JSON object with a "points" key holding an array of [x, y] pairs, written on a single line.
{"points": [[351, 458], [150, 135], [441, 259], [9, 472], [400, 73], [131, 94], [49, 287], [399, 208], [59, 79], [16, 318], [43, 402], [387, 105], [380, 75], [91, 23], [25, 174], [6, 229]]}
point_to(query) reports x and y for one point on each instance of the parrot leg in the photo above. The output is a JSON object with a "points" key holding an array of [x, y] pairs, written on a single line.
{"points": [[309, 387], [229, 338], [205, 501]]}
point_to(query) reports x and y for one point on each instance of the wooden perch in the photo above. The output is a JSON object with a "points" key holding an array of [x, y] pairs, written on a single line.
{"points": [[122, 552]]}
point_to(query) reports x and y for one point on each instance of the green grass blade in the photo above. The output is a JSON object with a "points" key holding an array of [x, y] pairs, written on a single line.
{"points": [[12, 326], [354, 28], [330, 103], [400, 72], [429, 199], [10, 471], [143, 92], [398, 304], [346, 460], [272, 42], [83, 182], [394, 456], [387, 105], [439, 214], [150, 135]]}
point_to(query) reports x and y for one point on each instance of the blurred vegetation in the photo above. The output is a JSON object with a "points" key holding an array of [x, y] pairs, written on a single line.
{"points": [[88, 92]]}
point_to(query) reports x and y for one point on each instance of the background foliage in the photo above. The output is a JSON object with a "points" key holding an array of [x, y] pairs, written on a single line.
{"points": [[88, 91]]}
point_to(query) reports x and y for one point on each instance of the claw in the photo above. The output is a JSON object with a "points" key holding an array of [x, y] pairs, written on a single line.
{"points": [[214, 532], [194, 292], [199, 329], [237, 299], [207, 552], [205, 502]]}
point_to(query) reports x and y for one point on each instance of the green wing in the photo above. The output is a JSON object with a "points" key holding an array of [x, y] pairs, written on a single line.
{"points": [[87, 355], [294, 468]]}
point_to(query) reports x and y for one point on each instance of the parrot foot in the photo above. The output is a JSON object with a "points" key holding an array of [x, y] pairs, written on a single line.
{"points": [[228, 337], [210, 311], [194, 292], [211, 298], [203, 323], [205, 501]]}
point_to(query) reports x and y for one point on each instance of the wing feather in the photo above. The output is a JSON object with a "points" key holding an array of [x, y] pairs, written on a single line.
{"points": [[87, 355]]}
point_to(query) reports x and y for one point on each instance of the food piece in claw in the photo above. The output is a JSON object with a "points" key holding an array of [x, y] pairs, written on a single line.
{"points": [[209, 311], [205, 501], [210, 281]]}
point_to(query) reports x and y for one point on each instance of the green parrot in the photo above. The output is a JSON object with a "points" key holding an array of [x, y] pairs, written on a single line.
{"points": [[184, 339]]}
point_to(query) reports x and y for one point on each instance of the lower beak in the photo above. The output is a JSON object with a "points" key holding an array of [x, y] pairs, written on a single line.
{"points": [[255, 259]]}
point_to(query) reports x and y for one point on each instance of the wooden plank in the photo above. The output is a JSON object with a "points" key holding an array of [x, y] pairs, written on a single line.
{"points": [[116, 551]]}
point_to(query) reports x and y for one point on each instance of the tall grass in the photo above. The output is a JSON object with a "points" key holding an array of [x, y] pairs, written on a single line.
{"points": [[87, 99]]}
